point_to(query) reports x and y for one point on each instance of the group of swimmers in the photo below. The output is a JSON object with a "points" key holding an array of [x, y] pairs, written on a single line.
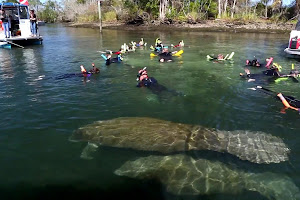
{"points": [[274, 70]]}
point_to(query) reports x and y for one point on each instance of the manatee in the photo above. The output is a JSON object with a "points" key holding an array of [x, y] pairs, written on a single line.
{"points": [[149, 134], [183, 175]]}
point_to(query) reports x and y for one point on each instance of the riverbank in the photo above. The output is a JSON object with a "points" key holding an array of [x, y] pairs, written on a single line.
{"points": [[204, 25]]}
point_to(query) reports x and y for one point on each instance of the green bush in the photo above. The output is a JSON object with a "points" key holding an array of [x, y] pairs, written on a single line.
{"points": [[182, 18], [88, 18], [193, 15], [152, 7], [172, 14], [110, 16]]}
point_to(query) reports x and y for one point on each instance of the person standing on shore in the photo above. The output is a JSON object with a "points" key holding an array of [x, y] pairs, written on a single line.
{"points": [[33, 26], [5, 22]]}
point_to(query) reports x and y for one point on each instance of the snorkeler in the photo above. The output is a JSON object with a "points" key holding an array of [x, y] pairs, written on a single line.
{"points": [[255, 62], [165, 55], [94, 69], [287, 101], [109, 60], [180, 44]]}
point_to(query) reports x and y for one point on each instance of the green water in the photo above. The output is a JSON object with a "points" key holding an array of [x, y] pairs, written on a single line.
{"points": [[39, 112]]}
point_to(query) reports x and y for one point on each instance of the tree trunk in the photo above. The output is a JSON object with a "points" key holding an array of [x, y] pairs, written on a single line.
{"points": [[162, 9], [219, 13], [266, 11], [225, 8], [297, 6], [246, 7], [233, 8]]}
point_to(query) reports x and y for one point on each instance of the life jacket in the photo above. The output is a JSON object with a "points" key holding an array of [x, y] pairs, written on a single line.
{"points": [[145, 76]]}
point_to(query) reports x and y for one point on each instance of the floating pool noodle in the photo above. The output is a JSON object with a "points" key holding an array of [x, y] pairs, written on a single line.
{"points": [[178, 53], [231, 55], [269, 62], [285, 103], [103, 56]]}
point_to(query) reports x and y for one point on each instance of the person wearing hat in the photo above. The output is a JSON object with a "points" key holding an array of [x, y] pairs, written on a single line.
{"points": [[94, 70], [5, 21], [33, 21]]}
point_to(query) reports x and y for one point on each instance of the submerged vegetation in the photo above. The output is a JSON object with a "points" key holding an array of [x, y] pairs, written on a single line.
{"points": [[165, 11]]}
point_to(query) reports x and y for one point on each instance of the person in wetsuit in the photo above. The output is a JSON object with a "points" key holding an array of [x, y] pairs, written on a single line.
{"points": [[109, 59], [287, 101], [94, 69], [273, 71], [145, 81], [165, 55], [254, 63]]}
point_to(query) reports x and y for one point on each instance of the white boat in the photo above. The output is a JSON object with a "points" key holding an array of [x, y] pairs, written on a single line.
{"points": [[293, 49], [20, 32]]}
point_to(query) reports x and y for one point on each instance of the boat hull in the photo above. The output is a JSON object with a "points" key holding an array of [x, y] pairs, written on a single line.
{"points": [[292, 53], [24, 41]]}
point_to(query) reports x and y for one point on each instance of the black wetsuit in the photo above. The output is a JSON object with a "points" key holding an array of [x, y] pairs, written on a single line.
{"points": [[271, 72], [254, 63], [155, 87], [73, 75], [167, 56], [112, 60], [291, 100]]}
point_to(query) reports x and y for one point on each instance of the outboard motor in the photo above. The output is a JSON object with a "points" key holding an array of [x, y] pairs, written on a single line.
{"points": [[294, 43]]}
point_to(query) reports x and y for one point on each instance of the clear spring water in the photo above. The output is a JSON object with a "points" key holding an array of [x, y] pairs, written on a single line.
{"points": [[39, 112]]}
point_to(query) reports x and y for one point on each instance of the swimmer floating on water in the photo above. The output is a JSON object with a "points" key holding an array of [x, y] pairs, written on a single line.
{"points": [[94, 69], [288, 101], [145, 81], [255, 62], [109, 60]]}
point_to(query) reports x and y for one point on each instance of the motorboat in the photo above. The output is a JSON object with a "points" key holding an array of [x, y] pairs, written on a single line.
{"points": [[20, 31], [293, 49]]}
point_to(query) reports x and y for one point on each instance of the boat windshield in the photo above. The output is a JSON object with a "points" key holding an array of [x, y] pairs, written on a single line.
{"points": [[23, 12], [12, 13]]}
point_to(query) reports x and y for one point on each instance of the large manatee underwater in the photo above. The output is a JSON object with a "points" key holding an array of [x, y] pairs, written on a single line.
{"points": [[183, 175], [149, 134]]}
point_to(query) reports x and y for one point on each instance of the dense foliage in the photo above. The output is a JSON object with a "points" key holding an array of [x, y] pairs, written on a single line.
{"points": [[179, 10], [164, 10]]}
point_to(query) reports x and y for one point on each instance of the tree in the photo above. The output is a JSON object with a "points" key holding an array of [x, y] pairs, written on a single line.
{"points": [[50, 11], [35, 4], [265, 2]]}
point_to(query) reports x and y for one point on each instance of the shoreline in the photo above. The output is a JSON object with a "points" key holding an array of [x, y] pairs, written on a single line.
{"points": [[205, 25]]}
